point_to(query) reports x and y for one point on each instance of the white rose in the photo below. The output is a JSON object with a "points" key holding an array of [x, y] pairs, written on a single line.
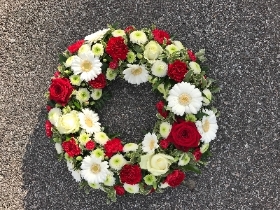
{"points": [[68, 123], [179, 45], [195, 67], [152, 51], [156, 164], [54, 115]]}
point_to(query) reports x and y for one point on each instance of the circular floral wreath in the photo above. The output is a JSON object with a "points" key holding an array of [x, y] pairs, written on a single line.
{"points": [[185, 123]]}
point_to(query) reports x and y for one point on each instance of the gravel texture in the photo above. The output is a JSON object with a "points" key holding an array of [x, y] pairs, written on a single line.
{"points": [[241, 38]]}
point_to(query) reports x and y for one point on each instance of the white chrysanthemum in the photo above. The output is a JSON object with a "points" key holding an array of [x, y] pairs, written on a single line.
{"points": [[150, 143], [94, 170], [159, 68], [131, 188], [164, 129], [101, 138], [172, 48], [130, 147], [82, 95], [117, 161], [68, 62], [92, 38], [83, 49], [179, 45], [87, 65], [75, 80], [83, 138], [110, 74], [138, 37], [54, 115], [96, 94], [99, 153], [118, 32], [195, 67], [136, 74], [97, 49], [110, 179], [89, 121], [58, 148], [184, 98], [184, 159], [207, 127]]}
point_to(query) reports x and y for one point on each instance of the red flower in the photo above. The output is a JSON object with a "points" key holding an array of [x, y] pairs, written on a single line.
{"points": [[113, 146], [60, 90], [75, 47], [90, 145], [130, 174], [129, 29], [164, 143], [184, 135], [48, 127], [71, 148], [99, 82], [49, 108], [191, 55], [197, 154], [116, 48], [160, 36], [161, 110], [114, 64], [175, 178], [119, 189], [177, 70], [56, 74]]}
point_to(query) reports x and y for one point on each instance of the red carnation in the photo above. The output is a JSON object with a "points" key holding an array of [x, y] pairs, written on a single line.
{"points": [[175, 178], [161, 110], [197, 154], [119, 189], [114, 64], [130, 174], [129, 29], [71, 148], [56, 74], [90, 145], [99, 82], [191, 55], [76, 46], [48, 127], [113, 146], [177, 70], [116, 48], [60, 90], [160, 36], [164, 143]]}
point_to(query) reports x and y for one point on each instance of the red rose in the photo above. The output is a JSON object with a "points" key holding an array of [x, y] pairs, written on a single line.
{"points": [[129, 29], [114, 64], [130, 174], [48, 127], [161, 110], [90, 145], [71, 148], [175, 178], [160, 36], [177, 70], [99, 82], [184, 135], [164, 143], [197, 154], [116, 48], [119, 190], [76, 46], [60, 90], [113, 146], [191, 55]]}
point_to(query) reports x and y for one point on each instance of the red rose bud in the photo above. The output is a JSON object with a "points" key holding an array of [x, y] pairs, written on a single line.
{"points": [[48, 128], [113, 64], [56, 74], [129, 29], [197, 154], [99, 82], [119, 190], [116, 48], [130, 174], [164, 143], [48, 108], [161, 110], [71, 148], [175, 178], [177, 70], [60, 90], [90, 145], [191, 55], [160, 36], [76, 46], [113, 146]]}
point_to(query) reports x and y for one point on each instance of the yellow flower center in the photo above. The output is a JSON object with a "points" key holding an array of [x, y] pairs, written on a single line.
{"points": [[137, 71], [88, 122], [152, 144], [95, 168], [206, 126], [86, 66], [184, 99]]}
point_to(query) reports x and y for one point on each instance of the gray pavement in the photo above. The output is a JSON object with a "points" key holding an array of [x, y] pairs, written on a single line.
{"points": [[241, 39]]}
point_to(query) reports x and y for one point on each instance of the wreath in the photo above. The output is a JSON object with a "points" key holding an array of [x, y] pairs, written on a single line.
{"points": [[186, 123]]}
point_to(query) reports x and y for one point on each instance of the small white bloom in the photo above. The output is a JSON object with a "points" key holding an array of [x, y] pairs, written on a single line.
{"points": [[68, 123], [101, 138], [138, 37], [110, 179], [97, 49], [83, 49], [76, 175], [117, 161], [96, 36], [164, 129], [94, 185], [118, 32], [184, 159], [150, 143], [89, 121], [54, 115], [159, 68], [172, 48], [130, 147], [164, 185], [70, 165], [152, 51], [110, 74], [58, 148], [195, 67], [82, 95], [136, 74], [83, 138], [75, 80], [68, 62], [204, 147], [131, 188], [96, 94], [98, 153], [207, 97], [179, 45]]}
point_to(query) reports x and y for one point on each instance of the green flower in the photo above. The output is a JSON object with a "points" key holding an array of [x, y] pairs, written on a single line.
{"points": [[149, 179], [97, 49], [82, 95], [66, 110], [94, 185], [75, 80], [99, 153], [131, 57], [184, 159], [96, 94], [83, 138], [190, 117], [164, 129], [172, 49], [110, 74]]}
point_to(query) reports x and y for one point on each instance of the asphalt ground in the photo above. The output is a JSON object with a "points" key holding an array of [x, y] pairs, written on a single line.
{"points": [[241, 39]]}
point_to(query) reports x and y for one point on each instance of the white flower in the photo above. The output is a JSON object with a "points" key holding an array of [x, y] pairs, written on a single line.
{"points": [[150, 143], [54, 115], [117, 161], [204, 147], [101, 138], [75, 80], [99, 153], [207, 127], [94, 170], [184, 98], [195, 67], [58, 148], [159, 68], [118, 32], [76, 175], [96, 94], [207, 97], [97, 49], [138, 37], [172, 48], [164, 185], [136, 74], [70, 165], [164, 129], [68, 62], [110, 179], [110, 74], [184, 159], [82, 95], [152, 51], [179, 45], [130, 147], [131, 188], [83, 49], [156, 164], [87, 65], [68, 123], [83, 138], [94, 185], [89, 121], [96, 36]]}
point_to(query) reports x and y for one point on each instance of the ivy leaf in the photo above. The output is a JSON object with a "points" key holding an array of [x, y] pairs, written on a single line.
{"points": [[188, 76], [193, 168], [62, 59]]}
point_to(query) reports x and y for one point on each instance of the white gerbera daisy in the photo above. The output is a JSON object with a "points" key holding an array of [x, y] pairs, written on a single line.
{"points": [[130, 147], [82, 95], [89, 121], [117, 162], [184, 98], [138, 37], [131, 188], [164, 129], [87, 65], [136, 74], [101, 138], [159, 68], [94, 170], [150, 143], [54, 115], [207, 127], [92, 38]]}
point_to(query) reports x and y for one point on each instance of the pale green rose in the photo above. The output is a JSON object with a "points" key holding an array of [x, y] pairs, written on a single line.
{"points": [[195, 67], [68, 123], [97, 49], [152, 51], [68, 62], [172, 48], [156, 164], [96, 94], [204, 147], [179, 45], [164, 129], [118, 32], [184, 159]]}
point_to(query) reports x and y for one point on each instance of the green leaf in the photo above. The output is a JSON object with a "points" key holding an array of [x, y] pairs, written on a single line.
{"points": [[204, 82], [193, 168], [62, 58], [188, 76], [215, 89]]}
